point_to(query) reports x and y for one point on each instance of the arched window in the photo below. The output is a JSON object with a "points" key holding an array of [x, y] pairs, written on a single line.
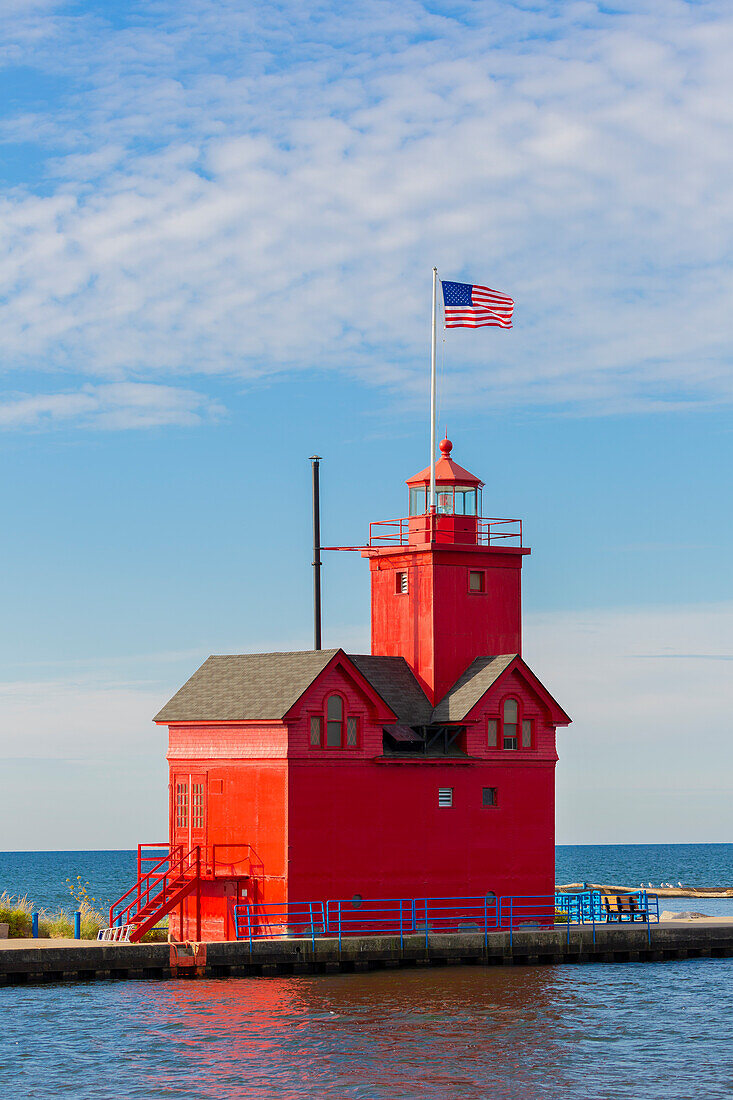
{"points": [[510, 724], [334, 729], [517, 731], [334, 721]]}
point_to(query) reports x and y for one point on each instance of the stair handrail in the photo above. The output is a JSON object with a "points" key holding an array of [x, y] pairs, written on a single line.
{"points": [[173, 864], [137, 884]]}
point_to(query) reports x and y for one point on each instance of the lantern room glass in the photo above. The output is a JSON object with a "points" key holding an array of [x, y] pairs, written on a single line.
{"points": [[450, 500], [418, 502]]}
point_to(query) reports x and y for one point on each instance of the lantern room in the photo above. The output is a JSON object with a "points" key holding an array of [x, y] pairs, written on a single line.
{"points": [[457, 492], [446, 584]]}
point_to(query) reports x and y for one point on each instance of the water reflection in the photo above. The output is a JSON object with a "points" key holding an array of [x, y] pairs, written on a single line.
{"points": [[534, 1032]]}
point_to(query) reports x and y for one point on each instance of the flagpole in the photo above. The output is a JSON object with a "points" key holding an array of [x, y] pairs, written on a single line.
{"points": [[433, 389]]}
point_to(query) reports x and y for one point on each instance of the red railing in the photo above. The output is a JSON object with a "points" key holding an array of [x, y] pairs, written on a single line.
{"points": [[153, 888], [445, 528], [149, 854]]}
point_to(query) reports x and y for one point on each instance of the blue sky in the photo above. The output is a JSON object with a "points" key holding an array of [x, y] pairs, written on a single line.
{"points": [[217, 228]]}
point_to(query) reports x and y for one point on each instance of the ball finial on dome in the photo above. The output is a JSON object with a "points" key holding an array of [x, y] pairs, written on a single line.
{"points": [[446, 447]]}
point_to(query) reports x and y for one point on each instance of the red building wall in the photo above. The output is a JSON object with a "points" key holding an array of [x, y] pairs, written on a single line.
{"points": [[386, 836], [373, 827], [244, 838], [439, 625], [334, 823]]}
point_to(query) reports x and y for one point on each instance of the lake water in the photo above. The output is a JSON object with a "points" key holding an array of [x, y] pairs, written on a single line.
{"points": [[593, 1032], [659, 1031], [42, 875]]}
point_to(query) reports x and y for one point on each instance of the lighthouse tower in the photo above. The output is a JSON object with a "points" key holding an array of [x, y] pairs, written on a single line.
{"points": [[450, 589], [424, 769]]}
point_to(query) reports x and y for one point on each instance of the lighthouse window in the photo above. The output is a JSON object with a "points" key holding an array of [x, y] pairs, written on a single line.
{"points": [[476, 580], [488, 796], [445, 500], [401, 583], [445, 796], [334, 721], [316, 730], [197, 805], [182, 805], [418, 505], [492, 733], [510, 724], [527, 733], [352, 732], [465, 501]]}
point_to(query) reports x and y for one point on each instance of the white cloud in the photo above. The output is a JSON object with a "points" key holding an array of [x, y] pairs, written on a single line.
{"points": [[242, 192], [110, 406]]}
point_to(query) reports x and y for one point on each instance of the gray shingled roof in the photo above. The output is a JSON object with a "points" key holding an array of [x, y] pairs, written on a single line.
{"points": [[395, 681], [266, 685], [249, 685], [468, 689]]}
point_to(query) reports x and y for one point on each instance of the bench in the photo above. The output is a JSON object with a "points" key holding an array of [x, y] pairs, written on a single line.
{"points": [[620, 907]]}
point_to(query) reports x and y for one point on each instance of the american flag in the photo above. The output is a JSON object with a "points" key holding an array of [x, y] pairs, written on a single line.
{"points": [[470, 306]]}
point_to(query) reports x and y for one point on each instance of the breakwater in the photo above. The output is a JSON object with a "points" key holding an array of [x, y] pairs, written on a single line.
{"points": [[662, 891], [43, 962]]}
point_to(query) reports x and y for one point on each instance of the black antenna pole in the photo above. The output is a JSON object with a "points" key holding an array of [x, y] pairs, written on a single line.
{"points": [[315, 462]]}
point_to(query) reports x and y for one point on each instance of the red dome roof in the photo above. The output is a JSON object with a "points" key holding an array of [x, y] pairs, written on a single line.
{"points": [[446, 471]]}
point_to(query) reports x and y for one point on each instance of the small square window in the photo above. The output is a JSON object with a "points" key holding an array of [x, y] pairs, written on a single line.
{"points": [[316, 731], [352, 732], [492, 733], [511, 742], [527, 733], [476, 579], [401, 583], [445, 796], [488, 796]]}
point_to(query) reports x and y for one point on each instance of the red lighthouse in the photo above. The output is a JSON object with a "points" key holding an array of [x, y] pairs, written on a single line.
{"points": [[424, 769], [451, 589]]}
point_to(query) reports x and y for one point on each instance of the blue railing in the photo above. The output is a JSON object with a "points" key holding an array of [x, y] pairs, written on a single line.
{"points": [[411, 916], [587, 906], [284, 921]]}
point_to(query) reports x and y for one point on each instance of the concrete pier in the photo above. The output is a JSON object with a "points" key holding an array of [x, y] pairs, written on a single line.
{"points": [[42, 961]]}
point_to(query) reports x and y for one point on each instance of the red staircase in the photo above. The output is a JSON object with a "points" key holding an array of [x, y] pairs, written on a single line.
{"points": [[171, 879]]}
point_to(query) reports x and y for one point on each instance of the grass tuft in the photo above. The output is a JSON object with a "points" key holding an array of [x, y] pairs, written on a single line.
{"points": [[17, 912]]}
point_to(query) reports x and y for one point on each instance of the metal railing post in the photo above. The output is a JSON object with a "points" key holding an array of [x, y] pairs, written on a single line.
{"points": [[511, 924], [339, 905], [426, 924], [313, 931], [486, 928], [249, 927], [402, 938]]}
